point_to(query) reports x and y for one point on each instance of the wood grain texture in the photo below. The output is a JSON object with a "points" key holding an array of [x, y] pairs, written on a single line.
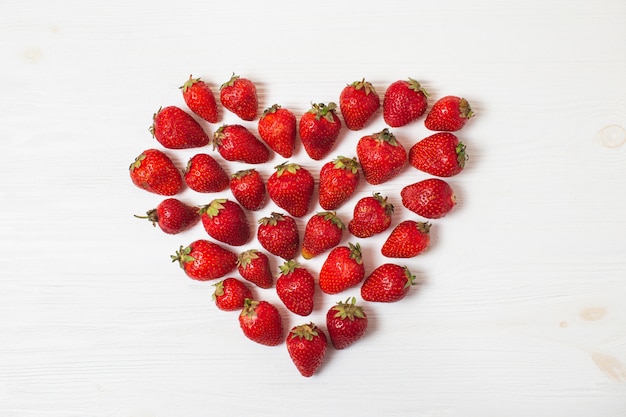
{"points": [[520, 310]]}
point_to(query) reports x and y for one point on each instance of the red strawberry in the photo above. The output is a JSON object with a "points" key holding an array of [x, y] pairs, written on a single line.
{"points": [[278, 234], [291, 188], [239, 96], [404, 102], [154, 171], [372, 215], [449, 113], [230, 294], [200, 99], [338, 181], [358, 103], [346, 323], [319, 128], [431, 198], [306, 345], [261, 322], [205, 175], [381, 156], [277, 127], [407, 239], [225, 220], [323, 231], [254, 266], [342, 269], [237, 143], [387, 283], [203, 260], [174, 128], [440, 154], [248, 189], [173, 216], [295, 287]]}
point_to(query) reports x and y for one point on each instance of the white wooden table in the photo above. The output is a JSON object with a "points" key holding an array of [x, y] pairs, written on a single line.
{"points": [[522, 308]]}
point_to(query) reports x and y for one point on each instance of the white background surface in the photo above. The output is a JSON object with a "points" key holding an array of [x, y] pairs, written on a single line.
{"points": [[521, 311]]}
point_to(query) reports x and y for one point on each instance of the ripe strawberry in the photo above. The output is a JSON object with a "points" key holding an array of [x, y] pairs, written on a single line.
{"points": [[261, 322], [449, 113], [203, 260], [342, 269], [346, 323], [291, 188], [205, 175], [239, 96], [277, 127], [295, 287], [230, 294], [338, 181], [381, 156], [358, 102], [404, 102], [307, 345], [225, 220], [323, 231], [440, 154], [155, 172], [200, 99], [319, 128], [278, 234], [248, 189], [254, 266], [407, 239], [372, 215], [432, 198], [237, 143], [173, 216], [174, 128], [387, 283]]}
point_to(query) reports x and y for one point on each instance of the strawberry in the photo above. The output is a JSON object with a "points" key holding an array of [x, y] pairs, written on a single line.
{"points": [[248, 189], [225, 220], [342, 269], [319, 128], [254, 266], [237, 143], [381, 156], [295, 287], [203, 260], [358, 102], [372, 215], [261, 322], [323, 231], [338, 181], [173, 216], [449, 113], [277, 127], [155, 172], [408, 239], [200, 99], [405, 101], [238, 95], [387, 283], [205, 175], [346, 323], [174, 128], [432, 198], [230, 294], [307, 345], [440, 154], [291, 188], [278, 234]]}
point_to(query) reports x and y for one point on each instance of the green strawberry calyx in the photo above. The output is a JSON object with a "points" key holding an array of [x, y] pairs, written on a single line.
{"points": [[137, 163], [304, 331], [423, 227], [271, 109], [243, 173], [461, 155], [219, 290], [151, 215], [187, 85], [343, 162], [410, 278], [355, 252], [326, 111], [289, 167], [385, 136], [417, 87], [182, 256], [151, 129], [214, 207], [348, 310], [465, 111], [245, 258], [331, 216], [230, 82], [289, 266], [218, 136], [365, 85], [387, 206], [272, 219], [249, 307]]}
